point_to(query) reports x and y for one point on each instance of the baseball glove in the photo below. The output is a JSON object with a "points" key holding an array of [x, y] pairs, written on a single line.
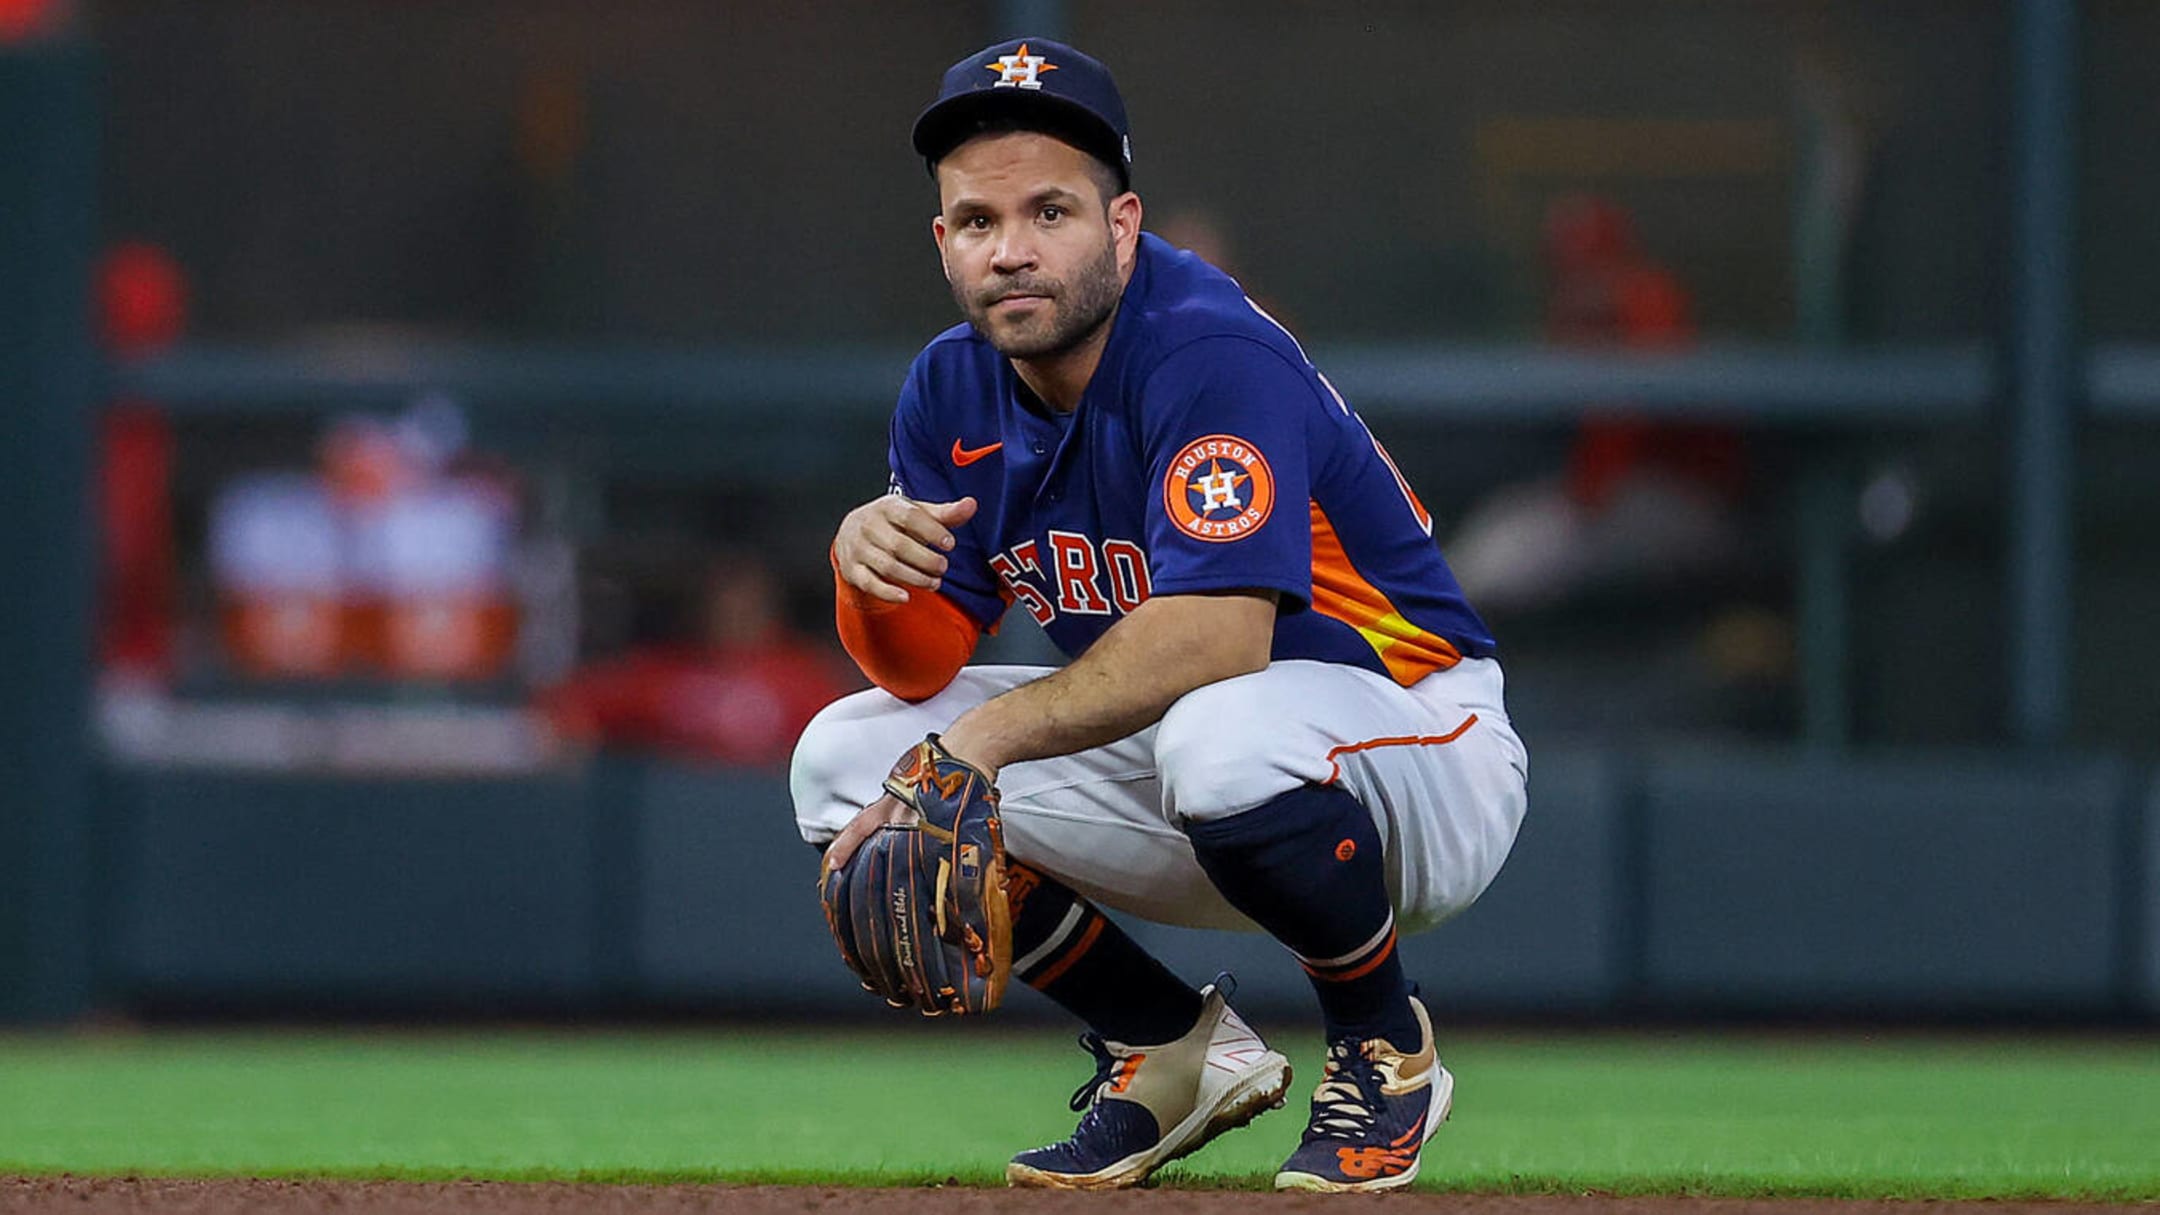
{"points": [[920, 911]]}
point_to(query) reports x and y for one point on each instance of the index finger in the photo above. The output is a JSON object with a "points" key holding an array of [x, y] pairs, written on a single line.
{"points": [[843, 846], [917, 522], [864, 825]]}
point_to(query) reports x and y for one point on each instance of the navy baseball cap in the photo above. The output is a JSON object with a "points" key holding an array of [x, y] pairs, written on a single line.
{"points": [[1042, 86]]}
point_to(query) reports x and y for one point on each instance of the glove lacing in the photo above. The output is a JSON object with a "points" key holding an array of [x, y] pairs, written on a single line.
{"points": [[1346, 1105]]}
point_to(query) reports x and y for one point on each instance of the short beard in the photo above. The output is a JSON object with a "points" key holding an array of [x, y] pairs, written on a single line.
{"points": [[1079, 306]]}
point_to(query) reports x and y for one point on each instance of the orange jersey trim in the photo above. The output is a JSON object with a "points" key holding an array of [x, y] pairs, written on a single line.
{"points": [[911, 649], [1408, 652]]}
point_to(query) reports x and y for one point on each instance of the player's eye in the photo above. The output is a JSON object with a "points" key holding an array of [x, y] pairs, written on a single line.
{"points": [[1053, 213], [976, 223]]}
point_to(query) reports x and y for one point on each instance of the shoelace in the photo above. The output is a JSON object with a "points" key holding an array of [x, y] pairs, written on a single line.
{"points": [[1347, 1103], [1083, 1098], [1105, 1065]]}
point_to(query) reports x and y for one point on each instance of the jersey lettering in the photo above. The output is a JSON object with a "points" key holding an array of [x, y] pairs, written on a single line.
{"points": [[1078, 564], [1010, 569], [1077, 574], [1128, 573]]}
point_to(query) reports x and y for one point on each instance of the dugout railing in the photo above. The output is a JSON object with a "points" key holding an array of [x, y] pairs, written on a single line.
{"points": [[786, 407]]}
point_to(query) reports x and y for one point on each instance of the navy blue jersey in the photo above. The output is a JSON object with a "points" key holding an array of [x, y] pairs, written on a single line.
{"points": [[1207, 454]]}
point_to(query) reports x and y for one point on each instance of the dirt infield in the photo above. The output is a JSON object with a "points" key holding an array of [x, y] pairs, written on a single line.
{"points": [[95, 1196]]}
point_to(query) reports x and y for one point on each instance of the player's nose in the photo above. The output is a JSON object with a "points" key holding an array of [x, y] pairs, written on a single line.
{"points": [[1014, 252]]}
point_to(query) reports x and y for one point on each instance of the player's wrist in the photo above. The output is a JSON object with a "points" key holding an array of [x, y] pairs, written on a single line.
{"points": [[967, 740]]}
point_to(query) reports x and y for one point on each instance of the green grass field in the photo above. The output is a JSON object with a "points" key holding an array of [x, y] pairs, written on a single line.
{"points": [[1732, 1115]]}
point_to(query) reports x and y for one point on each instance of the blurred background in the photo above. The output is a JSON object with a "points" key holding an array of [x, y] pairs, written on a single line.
{"points": [[421, 428]]}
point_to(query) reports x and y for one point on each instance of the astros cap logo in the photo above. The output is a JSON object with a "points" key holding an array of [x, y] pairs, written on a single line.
{"points": [[1020, 69], [1218, 489]]}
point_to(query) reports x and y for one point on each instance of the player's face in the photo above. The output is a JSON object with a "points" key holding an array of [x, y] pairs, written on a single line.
{"points": [[1035, 257]]}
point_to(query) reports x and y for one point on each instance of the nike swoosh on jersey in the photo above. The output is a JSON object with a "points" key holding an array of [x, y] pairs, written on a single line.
{"points": [[963, 456]]}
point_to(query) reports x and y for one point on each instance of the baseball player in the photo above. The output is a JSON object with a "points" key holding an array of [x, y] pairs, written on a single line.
{"points": [[1280, 714]]}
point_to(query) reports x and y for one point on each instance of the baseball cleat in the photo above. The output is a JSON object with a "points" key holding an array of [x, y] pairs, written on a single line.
{"points": [[1373, 1111], [1148, 1105]]}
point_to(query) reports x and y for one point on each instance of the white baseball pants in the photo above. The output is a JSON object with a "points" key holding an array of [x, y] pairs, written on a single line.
{"points": [[1437, 764]]}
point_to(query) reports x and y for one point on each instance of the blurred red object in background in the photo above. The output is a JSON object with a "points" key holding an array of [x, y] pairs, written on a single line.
{"points": [[142, 306], [19, 19], [738, 692], [142, 297]]}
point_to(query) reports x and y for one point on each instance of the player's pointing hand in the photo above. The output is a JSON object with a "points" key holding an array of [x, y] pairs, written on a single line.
{"points": [[890, 544]]}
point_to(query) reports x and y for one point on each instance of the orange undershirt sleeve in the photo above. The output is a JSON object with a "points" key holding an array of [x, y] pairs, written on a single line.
{"points": [[911, 649]]}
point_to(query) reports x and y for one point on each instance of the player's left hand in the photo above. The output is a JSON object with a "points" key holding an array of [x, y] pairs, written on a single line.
{"points": [[889, 810], [886, 809], [916, 900]]}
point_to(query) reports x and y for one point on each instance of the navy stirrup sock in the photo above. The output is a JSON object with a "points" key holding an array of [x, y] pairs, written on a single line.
{"points": [[1067, 949], [1307, 867]]}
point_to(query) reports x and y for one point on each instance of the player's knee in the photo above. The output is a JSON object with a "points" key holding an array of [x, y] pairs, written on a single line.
{"points": [[1216, 756], [836, 757]]}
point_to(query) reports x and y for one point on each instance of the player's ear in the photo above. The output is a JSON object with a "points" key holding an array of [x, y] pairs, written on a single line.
{"points": [[1125, 214], [937, 233]]}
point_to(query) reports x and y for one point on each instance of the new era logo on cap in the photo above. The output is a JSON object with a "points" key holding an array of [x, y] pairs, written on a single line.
{"points": [[1020, 70]]}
